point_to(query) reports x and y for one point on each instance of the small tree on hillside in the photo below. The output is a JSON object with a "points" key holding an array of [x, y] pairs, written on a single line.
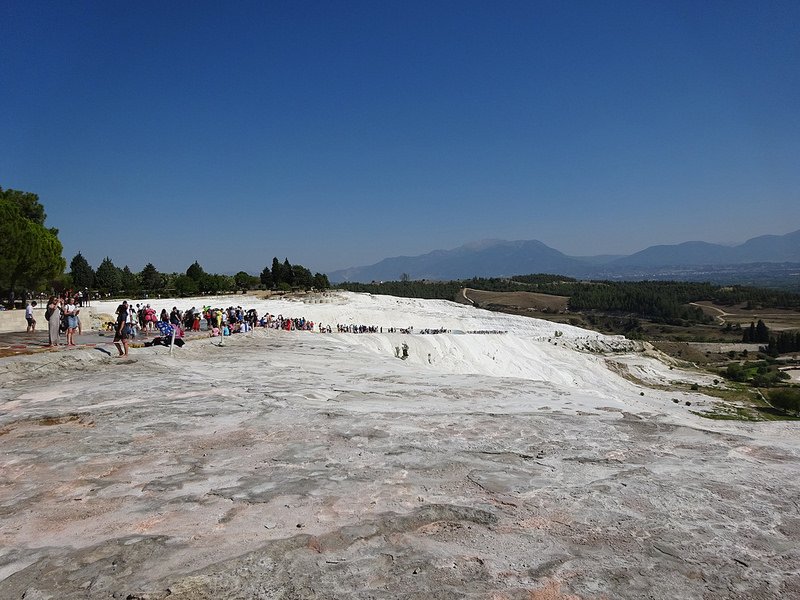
{"points": [[762, 333]]}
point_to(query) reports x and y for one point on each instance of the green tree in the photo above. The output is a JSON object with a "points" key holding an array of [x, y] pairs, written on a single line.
{"points": [[81, 272], [195, 271], [749, 334], [277, 272], [321, 281], [186, 286], [28, 204], [108, 278], [128, 280], [762, 333], [786, 399], [30, 254], [288, 273], [168, 281], [245, 281], [736, 372], [216, 283], [266, 278], [150, 278], [302, 277]]}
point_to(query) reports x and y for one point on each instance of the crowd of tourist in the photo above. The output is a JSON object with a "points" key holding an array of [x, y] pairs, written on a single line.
{"points": [[358, 329], [485, 331], [63, 317]]}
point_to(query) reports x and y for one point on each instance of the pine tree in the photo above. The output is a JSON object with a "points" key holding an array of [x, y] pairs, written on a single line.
{"points": [[128, 280], [195, 271], [288, 273], [81, 272], [266, 278], [277, 272], [107, 277], [150, 278], [762, 333]]}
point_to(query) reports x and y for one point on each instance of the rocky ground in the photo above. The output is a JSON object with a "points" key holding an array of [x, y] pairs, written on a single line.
{"points": [[296, 465]]}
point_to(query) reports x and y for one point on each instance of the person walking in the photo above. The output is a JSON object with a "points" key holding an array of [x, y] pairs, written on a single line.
{"points": [[53, 316], [29, 317], [121, 335]]}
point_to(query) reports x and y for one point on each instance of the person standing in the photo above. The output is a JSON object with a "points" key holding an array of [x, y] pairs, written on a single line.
{"points": [[72, 320], [29, 317], [121, 330], [53, 316], [132, 321]]}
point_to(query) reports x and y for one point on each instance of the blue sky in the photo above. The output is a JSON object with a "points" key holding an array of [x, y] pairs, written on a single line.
{"points": [[341, 133]]}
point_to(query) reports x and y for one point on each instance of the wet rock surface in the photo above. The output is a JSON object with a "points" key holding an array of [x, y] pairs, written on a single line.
{"points": [[291, 466]]}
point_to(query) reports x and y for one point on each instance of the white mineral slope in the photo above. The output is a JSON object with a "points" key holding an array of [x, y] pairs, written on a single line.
{"points": [[294, 465], [582, 368]]}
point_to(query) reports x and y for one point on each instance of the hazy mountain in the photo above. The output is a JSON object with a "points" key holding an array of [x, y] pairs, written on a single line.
{"points": [[687, 253], [497, 258], [488, 258], [766, 248], [770, 248]]}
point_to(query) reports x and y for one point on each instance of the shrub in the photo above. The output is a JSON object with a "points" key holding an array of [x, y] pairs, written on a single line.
{"points": [[736, 372], [786, 399]]}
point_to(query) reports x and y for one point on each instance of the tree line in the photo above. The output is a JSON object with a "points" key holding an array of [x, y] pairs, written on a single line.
{"points": [[110, 279], [782, 342], [31, 261], [661, 302]]}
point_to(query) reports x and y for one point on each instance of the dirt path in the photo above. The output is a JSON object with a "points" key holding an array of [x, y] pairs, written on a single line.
{"points": [[721, 312]]}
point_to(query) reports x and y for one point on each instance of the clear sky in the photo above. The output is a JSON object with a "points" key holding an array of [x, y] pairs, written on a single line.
{"points": [[340, 133]]}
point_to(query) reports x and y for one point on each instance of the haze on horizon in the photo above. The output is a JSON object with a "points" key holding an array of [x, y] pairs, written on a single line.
{"points": [[339, 134]]}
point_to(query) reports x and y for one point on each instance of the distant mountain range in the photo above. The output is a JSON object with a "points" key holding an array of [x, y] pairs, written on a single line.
{"points": [[762, 249], [499, 258]]}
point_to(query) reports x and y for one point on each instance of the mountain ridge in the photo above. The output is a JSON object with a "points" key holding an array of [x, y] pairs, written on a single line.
{"points": [[498, 258]]}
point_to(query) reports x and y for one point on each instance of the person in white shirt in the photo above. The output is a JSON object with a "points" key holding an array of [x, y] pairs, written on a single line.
{"points": [[132, 321], [70, 311], [29, 316]]}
